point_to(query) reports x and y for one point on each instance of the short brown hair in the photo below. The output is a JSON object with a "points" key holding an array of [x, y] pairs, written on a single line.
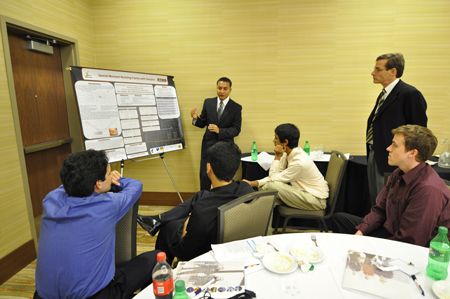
{"points": [[419, 138], [395, 60]]}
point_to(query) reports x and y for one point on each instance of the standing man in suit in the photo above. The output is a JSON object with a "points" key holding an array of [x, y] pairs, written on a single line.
{"points": [[223, 118], [398, 104]]}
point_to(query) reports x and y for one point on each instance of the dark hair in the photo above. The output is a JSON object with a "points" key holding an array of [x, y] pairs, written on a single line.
{"points": [[224, 158], [81, 171], [419, 138], [395, 60], [288, 132], [224, 79]]}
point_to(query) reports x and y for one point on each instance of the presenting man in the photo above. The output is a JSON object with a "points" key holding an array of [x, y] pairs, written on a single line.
{"points": [[293, 173], [189, 229], [415, 200], [77, 237], [398, 104], [223, 118]]}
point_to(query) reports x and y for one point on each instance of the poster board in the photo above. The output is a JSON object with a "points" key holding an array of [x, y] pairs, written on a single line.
{"points": [[127, 114]]}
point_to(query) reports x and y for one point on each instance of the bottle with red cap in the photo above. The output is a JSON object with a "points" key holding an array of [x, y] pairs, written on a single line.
{"points": [[162, 276]]}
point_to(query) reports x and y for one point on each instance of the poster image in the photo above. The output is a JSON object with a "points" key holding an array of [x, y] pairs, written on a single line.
{"points": [[127, 114]]}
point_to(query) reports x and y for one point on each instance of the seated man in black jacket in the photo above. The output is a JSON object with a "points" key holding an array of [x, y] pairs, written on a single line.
{"points": [[189, 229]]}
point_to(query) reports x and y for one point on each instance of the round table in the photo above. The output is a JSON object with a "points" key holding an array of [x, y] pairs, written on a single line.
{"points": [[325, 281]]}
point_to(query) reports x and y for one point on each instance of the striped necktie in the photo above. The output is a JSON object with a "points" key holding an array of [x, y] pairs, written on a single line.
{"points": [[220, 111], [380, 101]]}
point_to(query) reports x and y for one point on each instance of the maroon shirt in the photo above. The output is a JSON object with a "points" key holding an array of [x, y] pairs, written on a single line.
{"points": [[411, 206]]}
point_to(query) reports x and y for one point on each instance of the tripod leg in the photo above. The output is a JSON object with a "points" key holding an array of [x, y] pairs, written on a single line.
{"points": [[167, 168]]}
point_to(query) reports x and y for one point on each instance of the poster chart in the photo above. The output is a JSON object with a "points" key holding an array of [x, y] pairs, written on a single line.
{"points": [[127, 114]]}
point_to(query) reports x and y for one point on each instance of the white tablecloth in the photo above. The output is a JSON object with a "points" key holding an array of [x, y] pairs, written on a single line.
{"points": [[325, 281]]}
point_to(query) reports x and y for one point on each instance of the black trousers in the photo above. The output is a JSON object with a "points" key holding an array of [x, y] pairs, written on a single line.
{"points": [[172, 223], [129, 277], [346, 224], [170, 233]]}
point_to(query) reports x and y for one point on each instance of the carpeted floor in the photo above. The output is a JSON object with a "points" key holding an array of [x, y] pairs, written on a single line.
{"points": [[21, 285]]}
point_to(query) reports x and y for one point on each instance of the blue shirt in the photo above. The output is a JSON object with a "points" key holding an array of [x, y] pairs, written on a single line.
{"points": [[77, 239]]}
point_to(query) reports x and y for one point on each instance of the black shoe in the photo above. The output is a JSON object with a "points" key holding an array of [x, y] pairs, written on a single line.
{"points": [[149, 223]]}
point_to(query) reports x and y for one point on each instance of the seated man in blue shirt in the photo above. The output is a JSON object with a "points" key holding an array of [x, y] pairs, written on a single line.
{"points": [[189, 229], [415, 200], [77, 236]]}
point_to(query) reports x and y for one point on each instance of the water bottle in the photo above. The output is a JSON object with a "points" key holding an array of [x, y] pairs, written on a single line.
{"points": [[439, 255], [306, 147], [162, 278], [254, 152], [180, 292]]}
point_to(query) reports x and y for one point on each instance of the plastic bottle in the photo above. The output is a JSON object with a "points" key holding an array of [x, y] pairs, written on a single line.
{"points": [[306, 147], [254, 152], [439, 255], [180, 292], [162, 278]]}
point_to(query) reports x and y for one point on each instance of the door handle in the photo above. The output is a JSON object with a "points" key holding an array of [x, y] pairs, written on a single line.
{"points": [[46, 145]]}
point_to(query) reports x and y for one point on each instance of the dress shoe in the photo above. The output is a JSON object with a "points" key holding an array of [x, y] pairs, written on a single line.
{"points": [[150, 224]]}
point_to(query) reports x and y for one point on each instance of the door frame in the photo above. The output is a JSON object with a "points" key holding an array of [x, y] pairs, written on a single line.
{"points": [[69, 56]]}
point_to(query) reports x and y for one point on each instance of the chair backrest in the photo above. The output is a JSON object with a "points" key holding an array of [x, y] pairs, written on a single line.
{"points": [[334, 176], [245, 217], [126, 235]]}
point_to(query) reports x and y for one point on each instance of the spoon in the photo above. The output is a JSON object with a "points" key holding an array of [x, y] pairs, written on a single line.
{"points": [[314, 239]]}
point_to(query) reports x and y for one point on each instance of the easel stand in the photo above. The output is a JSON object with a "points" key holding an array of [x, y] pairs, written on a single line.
{"points": [[122, 164]]}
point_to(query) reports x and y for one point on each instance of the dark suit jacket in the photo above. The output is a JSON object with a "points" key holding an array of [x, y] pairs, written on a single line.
{"points": [[229, 124], [404, 105]]}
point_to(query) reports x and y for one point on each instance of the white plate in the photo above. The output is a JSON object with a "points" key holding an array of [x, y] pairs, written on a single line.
{"points": [[311, 252], [279, 262], [441, 289]]}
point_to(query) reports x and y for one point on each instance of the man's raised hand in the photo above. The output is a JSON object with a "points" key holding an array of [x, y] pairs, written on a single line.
{"points": [[194, 113]]}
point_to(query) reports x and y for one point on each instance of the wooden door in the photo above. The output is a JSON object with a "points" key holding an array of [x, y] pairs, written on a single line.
{"points": [[39, 87]]}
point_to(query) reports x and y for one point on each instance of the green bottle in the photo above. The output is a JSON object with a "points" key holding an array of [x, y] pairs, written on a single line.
{"points": [[306, 147], [439, 255], [254, 152], [180, 292]]}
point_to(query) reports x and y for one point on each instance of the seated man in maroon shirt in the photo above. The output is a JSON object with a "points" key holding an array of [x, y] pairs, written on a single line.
{"points": [[415, 200]]}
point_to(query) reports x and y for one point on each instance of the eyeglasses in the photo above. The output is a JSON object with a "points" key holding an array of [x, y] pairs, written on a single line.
{"points": [[377, 70]]}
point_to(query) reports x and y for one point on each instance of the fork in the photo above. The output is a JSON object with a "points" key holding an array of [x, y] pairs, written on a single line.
{"points": [[314, 239], [273, 247]]}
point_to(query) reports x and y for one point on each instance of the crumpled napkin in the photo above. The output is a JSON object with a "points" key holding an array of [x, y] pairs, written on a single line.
{"points": [[304, 265], [261, 250]]}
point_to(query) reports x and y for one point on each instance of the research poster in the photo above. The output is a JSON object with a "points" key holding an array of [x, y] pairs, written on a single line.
{"points": [[127, 114]]}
